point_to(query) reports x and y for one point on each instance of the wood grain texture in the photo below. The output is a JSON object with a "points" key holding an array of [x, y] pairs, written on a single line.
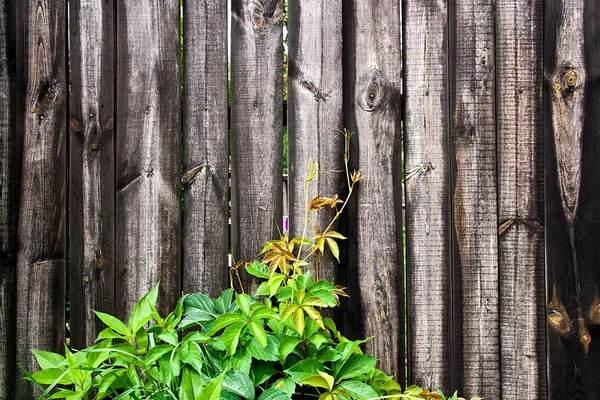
{"points": [[206, 163], [519, 118], [427, 166], [375, 261], [91, 157], [41, 265], [9, 197], [572, 72], [315, 104], [475, 252], [256, 121], [148, 195]]}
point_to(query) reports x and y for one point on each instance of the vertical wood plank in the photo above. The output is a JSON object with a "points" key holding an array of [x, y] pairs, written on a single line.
{"points": [[315, 105], [519, 49], [572, 71], [256, 124], [474, 194], [42, 220], [206, 163], [372, 75], [9, 195], [427, 166], [148, 163], [91, 157]]}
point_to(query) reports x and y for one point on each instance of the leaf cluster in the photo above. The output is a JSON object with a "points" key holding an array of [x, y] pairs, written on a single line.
{"points": [[272, 345]]}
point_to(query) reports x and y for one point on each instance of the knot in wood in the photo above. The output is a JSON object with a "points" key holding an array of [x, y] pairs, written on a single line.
{"points": [[559, 322], [374, 91], [258, 19], [75, 125], [49, 98], [571, 78]]}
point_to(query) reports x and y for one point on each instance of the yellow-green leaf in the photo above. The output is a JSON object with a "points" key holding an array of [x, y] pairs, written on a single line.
{"points": [[315, 315], [299, 320], [334, 248]]}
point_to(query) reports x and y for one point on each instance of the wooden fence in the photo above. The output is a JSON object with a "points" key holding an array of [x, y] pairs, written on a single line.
{"points": [[114, 162]]}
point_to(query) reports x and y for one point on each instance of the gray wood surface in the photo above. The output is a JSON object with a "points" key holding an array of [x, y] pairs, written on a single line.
{"points": [[91, 157], [519, 119], [206, 162], [428, 211], [41, 265], [572, 84], [148, 153], [375, 264], [8, 206], [475, 252], [256, 124], [315, 106]]}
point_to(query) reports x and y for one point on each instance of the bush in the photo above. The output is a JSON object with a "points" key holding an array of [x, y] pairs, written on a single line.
{"points": [[273, 345]]}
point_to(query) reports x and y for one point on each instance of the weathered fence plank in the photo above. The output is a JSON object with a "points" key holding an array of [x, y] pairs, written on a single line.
{"points": [[9, 197], [41, 265], [475, 250], [148, 153], [519, 119], [315, 101], [427, 164], [256, 121], [91, 158], [206, 163], [375, 277], [572, 71]]}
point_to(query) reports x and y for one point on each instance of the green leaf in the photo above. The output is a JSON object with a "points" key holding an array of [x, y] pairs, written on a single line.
{"points": [[304, 369], [231, 337], [225, 395], [47, 359], [243, 302], [274, 394], [287, 345], [258, 332], [322, 380], [112, 322], [328, 354], [238, 383], [169, 337], [318, 340], [258, 269], [263, 289], [261, 372], [212, 391], [53, 375], [286, 385], [189, 353], [195, 318], [223, 321], [275, 283], [358, 390], [241, 361], [199, 302], [157, 352], [356, 365], [190, 384], [196, 337], [108, 333], [223, 302], [143, 310], [268, 353]]}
